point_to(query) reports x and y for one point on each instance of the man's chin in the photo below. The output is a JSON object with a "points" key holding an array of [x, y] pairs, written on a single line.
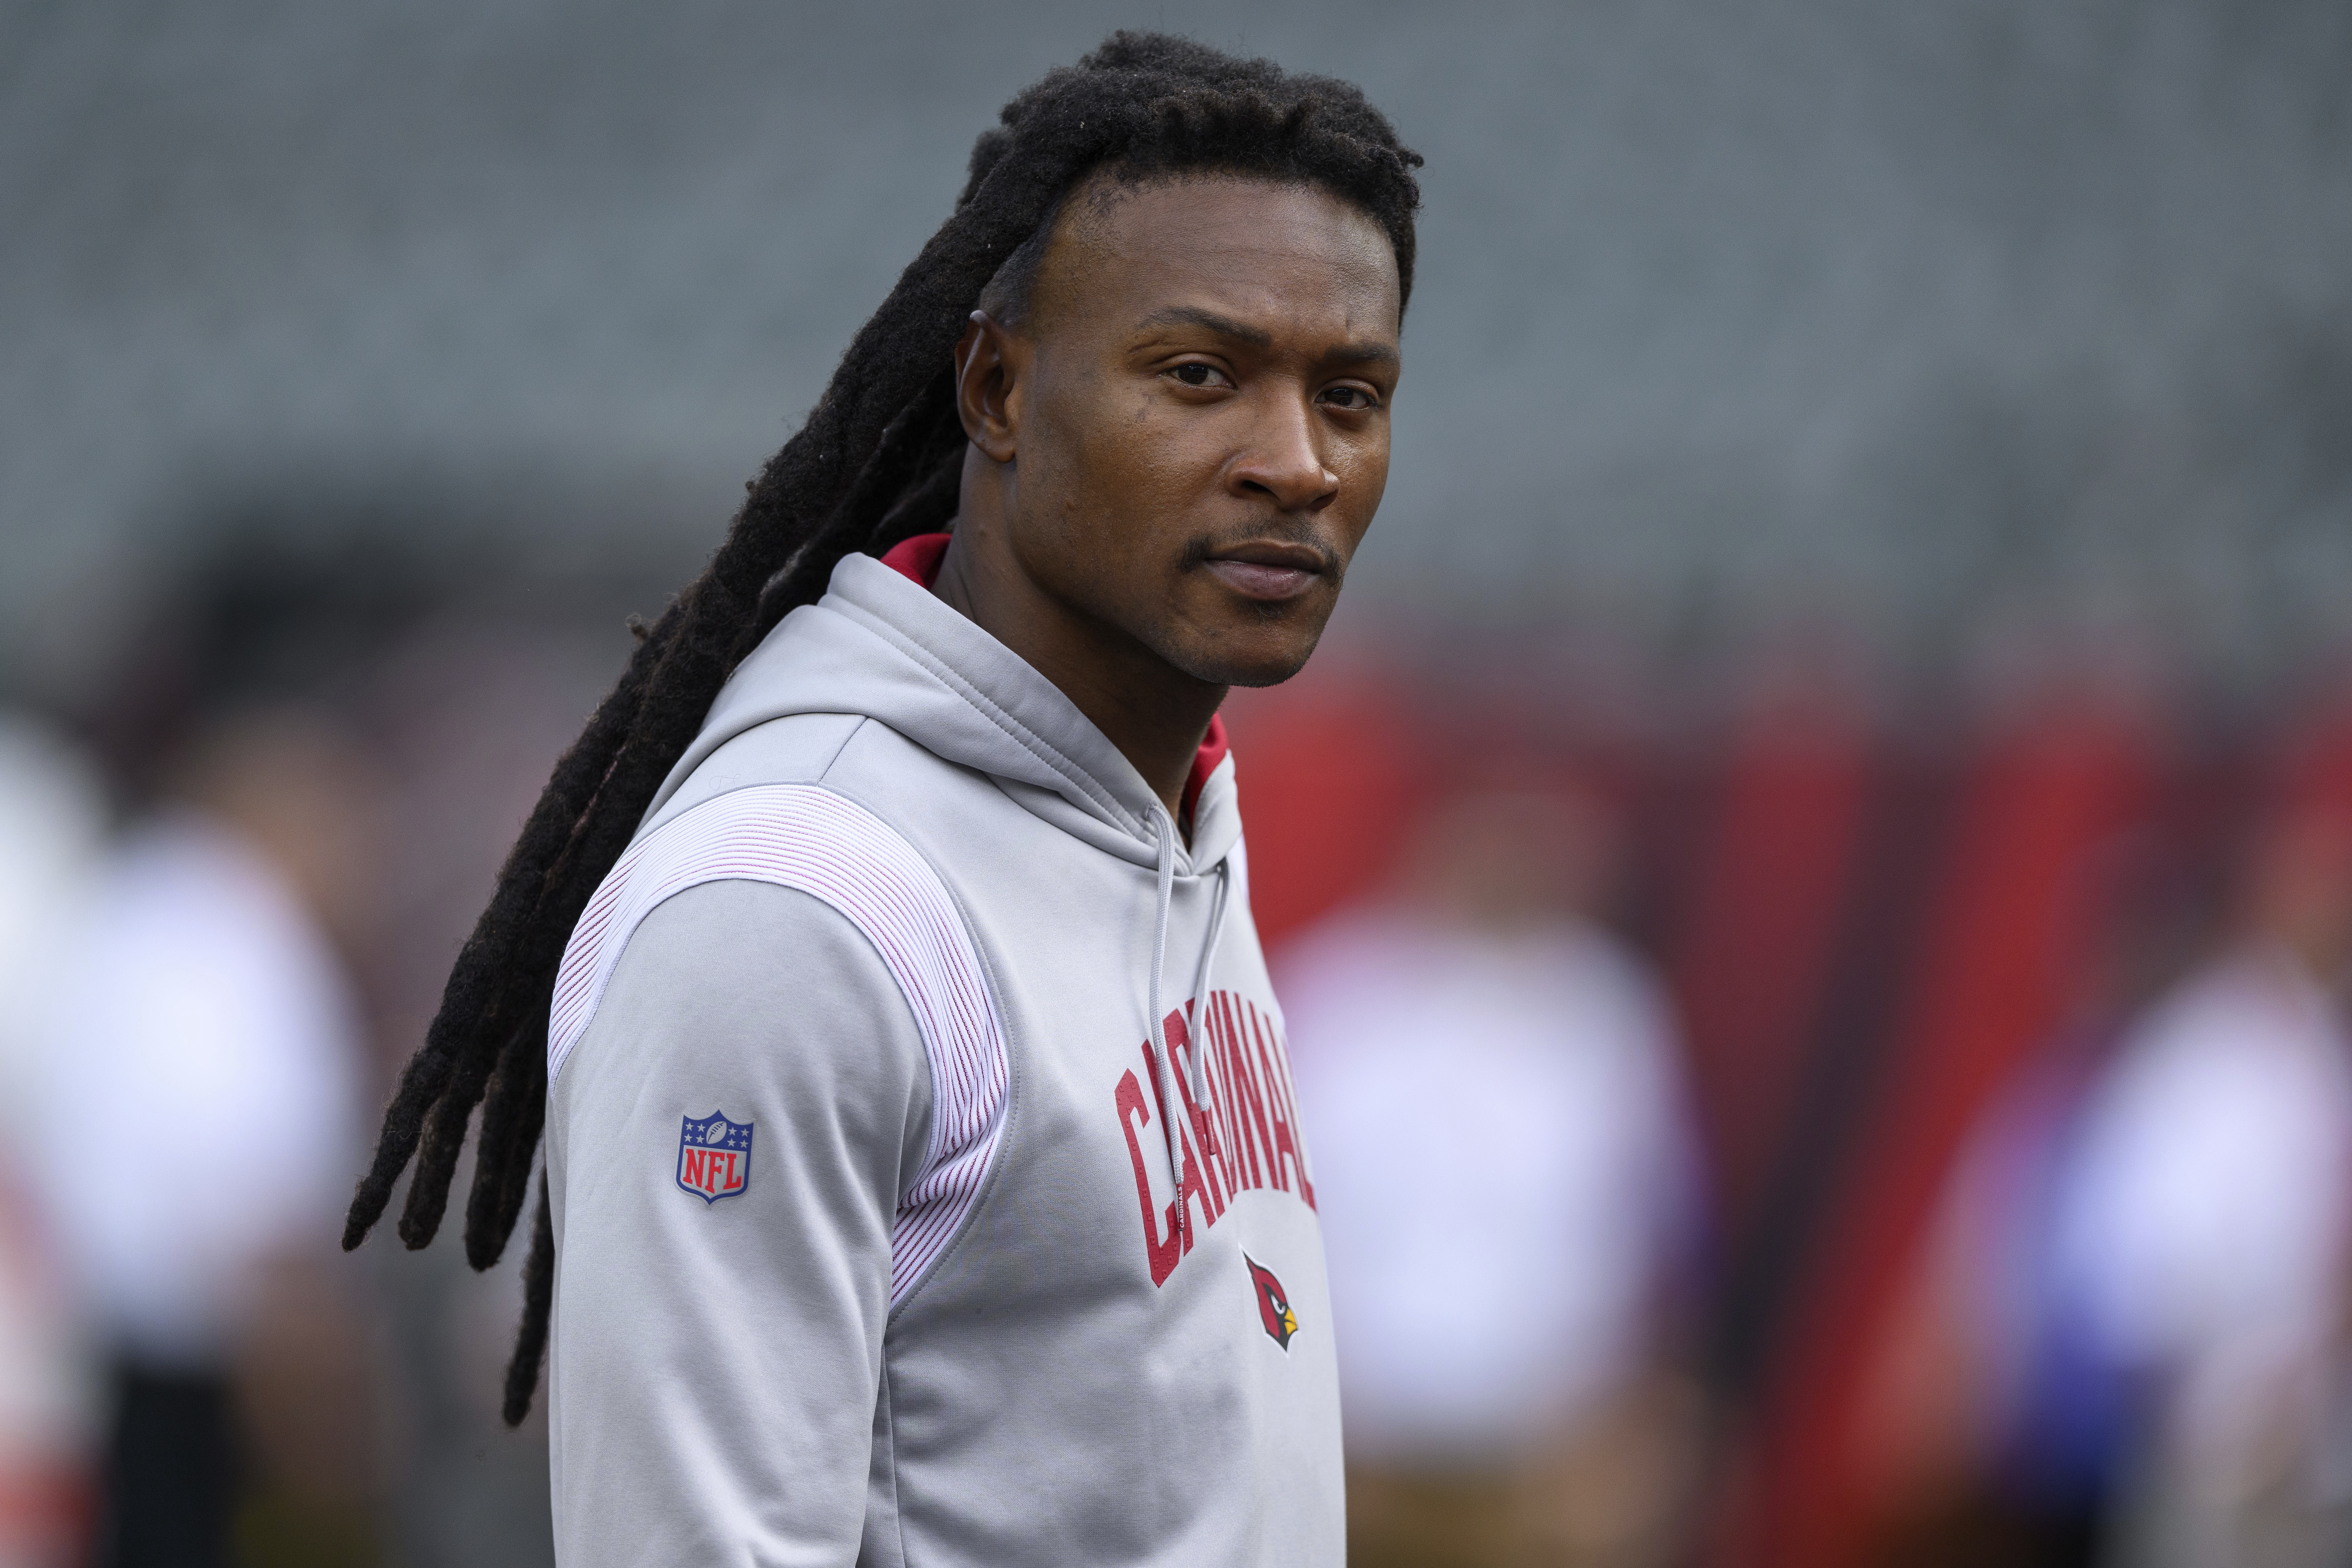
{"points": [[1269, 677], [1252, 667]]}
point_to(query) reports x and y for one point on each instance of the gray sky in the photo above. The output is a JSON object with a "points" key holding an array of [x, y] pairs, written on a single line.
{"points": [[1917, 318]]}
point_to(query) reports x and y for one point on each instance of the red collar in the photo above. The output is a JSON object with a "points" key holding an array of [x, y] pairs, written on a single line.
{"points": [[918, 560]]}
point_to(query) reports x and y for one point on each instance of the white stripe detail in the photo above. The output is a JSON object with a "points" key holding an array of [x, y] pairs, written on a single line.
{"points": [[803, 836]]}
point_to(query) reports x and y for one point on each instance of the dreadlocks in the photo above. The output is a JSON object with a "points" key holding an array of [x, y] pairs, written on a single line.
{"points": [[878, 460]]}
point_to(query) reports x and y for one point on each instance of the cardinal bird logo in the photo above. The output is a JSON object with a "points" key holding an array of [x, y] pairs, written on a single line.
{"points": [[1273, 1303]]}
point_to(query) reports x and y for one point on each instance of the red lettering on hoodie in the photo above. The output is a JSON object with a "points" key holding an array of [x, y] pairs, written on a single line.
{"points": [[1163, 1254], [1194, 1190], [1287, 1144], [1241, 1134], [1298, 1132], [1224, 1099], [1247, 1096], [1180, 1039]]}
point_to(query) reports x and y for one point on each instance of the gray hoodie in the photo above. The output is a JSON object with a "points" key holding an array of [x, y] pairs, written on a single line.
{"points": [[868, 1240]]}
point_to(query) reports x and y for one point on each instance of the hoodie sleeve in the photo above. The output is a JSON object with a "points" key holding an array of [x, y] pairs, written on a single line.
{"points": [[731, 1139]]}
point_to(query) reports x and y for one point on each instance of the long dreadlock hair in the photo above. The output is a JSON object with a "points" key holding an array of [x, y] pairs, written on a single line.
{"points": [[878, 460]]}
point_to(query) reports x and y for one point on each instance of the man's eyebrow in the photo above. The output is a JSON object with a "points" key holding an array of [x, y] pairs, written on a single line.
{"points": [[1224, 326], [1364, 354], [1258, 337]]}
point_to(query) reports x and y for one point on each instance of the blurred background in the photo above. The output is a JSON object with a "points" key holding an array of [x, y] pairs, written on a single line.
{"points": [[1829, 800]]}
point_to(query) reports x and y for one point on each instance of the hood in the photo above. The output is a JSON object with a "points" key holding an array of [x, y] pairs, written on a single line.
{"points": [[879, 644]]}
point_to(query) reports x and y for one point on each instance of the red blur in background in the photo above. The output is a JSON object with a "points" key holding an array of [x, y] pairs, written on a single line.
{"points": [[1872, 929]]}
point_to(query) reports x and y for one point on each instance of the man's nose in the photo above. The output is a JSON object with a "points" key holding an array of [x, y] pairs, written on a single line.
{"points": [[1282, 461]]}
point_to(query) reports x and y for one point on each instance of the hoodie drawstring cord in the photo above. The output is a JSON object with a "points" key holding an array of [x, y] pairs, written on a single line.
{"points": [[1201, 984], [1165, 1059], [1161, 1061]]}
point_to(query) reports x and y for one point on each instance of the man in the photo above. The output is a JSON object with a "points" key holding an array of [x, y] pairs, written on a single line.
{"points": [[923, 1181], [2202, 1227]]}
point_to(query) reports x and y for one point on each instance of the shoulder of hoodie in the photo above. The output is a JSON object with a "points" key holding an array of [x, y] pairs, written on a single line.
{"points": [[853, 755], [754, 784]]}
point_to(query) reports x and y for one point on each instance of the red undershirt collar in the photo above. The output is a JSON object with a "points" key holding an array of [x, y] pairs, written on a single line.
{"points": [[918, 560]]}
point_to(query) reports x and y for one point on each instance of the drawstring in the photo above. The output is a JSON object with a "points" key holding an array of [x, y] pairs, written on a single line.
{"points": [[1167, 1084], [1201, 978], [1165, 1063]]}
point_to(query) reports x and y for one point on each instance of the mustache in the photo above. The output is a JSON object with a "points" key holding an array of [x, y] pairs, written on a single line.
{"points": [[1292, 533]]}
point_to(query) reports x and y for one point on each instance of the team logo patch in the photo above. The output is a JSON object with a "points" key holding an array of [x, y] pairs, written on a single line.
{"points": [[1273, 1304], [714, 1156]]}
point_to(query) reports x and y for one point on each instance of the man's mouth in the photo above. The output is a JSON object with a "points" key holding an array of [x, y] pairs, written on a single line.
{"points": [[1263, 569]]}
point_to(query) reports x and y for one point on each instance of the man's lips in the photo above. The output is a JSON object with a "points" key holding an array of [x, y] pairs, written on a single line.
{"points": [[1267, 570]]}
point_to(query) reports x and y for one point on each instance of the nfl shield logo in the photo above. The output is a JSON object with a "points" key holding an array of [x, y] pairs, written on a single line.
{"points": [[714, 1156]]}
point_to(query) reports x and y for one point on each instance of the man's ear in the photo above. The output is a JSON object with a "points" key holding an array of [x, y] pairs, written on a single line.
{"points": [[988, 359]]}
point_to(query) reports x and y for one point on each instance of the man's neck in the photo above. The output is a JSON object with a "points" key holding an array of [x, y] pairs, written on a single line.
{"points": [[1153, 712]]}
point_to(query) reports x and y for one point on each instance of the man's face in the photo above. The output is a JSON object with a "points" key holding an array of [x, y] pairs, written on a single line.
{"points": [[1195, 425]]}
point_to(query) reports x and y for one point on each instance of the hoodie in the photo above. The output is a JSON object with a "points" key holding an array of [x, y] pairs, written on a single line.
{"points": [[926, 1180]]}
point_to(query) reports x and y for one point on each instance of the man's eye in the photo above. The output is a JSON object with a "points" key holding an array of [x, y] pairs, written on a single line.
{"points": [[1198, 375], [1353, 398]]}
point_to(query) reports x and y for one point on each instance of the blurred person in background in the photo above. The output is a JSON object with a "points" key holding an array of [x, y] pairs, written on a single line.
{"points": [[1995, 1429], [190, 1096], [52, 814], [466, 710], [1506, 1173], [2204, 1228]]}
